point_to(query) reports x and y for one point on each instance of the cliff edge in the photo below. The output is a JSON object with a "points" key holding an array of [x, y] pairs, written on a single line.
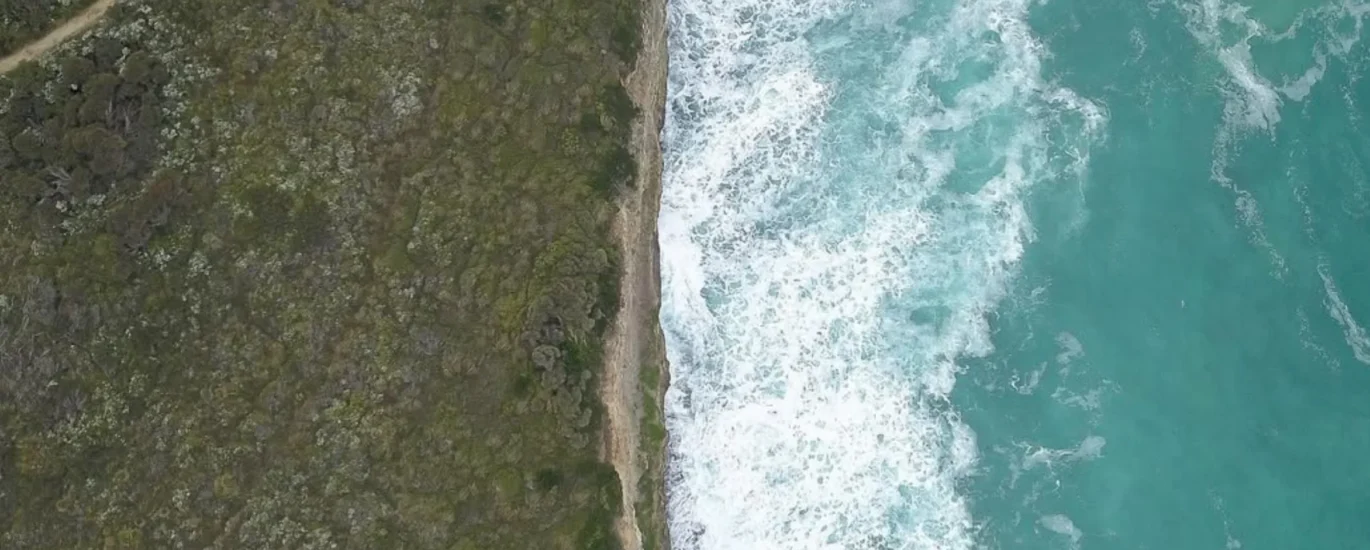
{"points": [[635, 356]]}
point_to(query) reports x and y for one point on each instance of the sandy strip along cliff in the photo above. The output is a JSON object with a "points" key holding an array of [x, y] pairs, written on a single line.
{"points": [[635, 358]]}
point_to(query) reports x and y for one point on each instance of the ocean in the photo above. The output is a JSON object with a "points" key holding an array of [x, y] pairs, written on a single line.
{"points": [[1011, 274]]}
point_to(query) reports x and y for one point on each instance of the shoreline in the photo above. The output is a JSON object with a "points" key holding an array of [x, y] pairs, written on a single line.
{"points": [[636, 373]]}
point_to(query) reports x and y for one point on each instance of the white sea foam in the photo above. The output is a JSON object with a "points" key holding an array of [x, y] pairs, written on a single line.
{"points": [[1310, 342], [1227, 30], [828, 253], [1356, 336], [1090, 448], [1091, 401], [1026, 387], [1252, 101], [1061, 524], [1071, 349], [1231, 543]]}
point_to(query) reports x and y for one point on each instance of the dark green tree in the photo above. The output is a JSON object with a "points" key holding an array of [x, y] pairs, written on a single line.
{"points": [[76, 71]]}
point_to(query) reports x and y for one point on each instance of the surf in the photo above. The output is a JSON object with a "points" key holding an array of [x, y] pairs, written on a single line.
{"points": [[844, 204]]}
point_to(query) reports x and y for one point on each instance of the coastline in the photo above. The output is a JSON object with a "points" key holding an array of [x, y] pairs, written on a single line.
{"points": [[636, 374]]}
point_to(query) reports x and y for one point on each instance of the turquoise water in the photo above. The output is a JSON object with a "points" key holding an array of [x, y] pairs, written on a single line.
{"points": [[1075, 274]]}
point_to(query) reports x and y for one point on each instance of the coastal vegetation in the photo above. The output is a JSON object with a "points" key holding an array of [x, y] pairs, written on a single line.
{"points": [[313, 274], [24, 20]]}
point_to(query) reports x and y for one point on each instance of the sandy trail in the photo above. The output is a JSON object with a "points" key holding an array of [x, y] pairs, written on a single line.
{"points": [[78, 24]]}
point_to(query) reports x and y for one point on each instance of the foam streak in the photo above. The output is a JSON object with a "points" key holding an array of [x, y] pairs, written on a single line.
{"points": [[830, 247]]}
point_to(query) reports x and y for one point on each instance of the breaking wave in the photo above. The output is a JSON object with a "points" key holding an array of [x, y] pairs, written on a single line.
{"points": [[843, 208]]}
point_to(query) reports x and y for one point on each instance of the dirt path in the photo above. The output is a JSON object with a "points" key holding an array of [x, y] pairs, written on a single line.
{"points": [[635, 341], [78, 24]]}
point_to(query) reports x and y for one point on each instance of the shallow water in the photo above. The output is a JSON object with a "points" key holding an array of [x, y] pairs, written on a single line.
{"points": [[1012, 274]]}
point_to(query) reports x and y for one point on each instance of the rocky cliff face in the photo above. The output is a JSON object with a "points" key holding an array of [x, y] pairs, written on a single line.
{"points": [[635, 357]]}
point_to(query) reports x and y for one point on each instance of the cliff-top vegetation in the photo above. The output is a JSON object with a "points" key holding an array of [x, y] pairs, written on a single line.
{"points": [[306, 274]]}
